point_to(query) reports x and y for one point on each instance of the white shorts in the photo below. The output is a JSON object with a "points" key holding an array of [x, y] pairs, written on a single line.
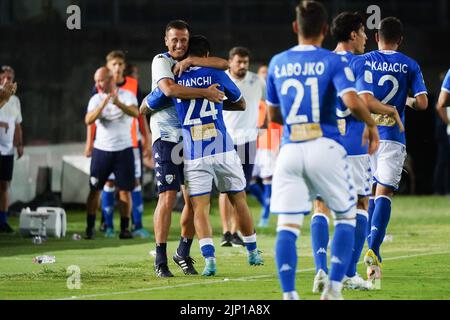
{"points": [[387, 163], [137, 165], [304, 170], [264, 163], [362, 174], [225, 169]]}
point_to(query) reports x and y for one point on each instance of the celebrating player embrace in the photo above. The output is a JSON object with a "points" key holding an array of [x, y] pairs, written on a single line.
{"points": [[209, 153]]}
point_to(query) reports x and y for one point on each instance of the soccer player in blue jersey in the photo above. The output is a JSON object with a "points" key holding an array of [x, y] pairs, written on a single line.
{"points": [[348, 30], [166, 131], [209, 153], [302, 88], [444, 99], [393, 75]]}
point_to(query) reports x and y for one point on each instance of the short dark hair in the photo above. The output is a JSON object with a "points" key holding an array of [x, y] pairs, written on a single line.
{"points": [[344, 24], [391, 30], [311, 17], [240, 51], [115, 54], [178, 24], [199, 46], [5, 68]]}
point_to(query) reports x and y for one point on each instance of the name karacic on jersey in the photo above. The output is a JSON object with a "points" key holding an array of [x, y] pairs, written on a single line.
{"points": [[387, 67], [300, 69]]}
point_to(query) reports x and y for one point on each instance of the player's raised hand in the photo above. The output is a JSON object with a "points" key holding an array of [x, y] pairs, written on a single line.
{"points": [[7, 90], [213, 94], [115, 97], [182, 66], [371, 134]]}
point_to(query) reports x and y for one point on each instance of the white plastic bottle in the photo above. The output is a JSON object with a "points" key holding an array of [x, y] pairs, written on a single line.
{"points": [[44, 259]]}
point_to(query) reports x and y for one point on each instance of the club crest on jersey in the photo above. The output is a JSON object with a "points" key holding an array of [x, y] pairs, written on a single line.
{"points": [[170, 178], [94, 181]]}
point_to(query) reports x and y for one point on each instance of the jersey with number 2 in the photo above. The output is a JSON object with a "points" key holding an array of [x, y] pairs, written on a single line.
{"points": [[393, 75]]}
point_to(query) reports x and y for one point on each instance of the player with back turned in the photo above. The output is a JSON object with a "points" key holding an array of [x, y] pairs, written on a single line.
{"points": [[302, 88], [393, 75]]}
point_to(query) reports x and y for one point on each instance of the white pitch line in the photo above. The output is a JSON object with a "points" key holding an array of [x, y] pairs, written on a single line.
{"points": [[221, 281]]}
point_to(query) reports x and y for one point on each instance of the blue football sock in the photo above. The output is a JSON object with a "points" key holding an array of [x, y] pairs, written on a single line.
{"points": [[319, 241], [207, 247], [108, 202], [360, 238], [3, 217], [369, 219], [380, 220], [256, 190], [286, 257], [161, 254], [137, 207], [184, 247], [266, 207], [341, 250]]}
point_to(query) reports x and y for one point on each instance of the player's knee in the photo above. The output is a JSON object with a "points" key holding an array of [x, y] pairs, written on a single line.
{"points": [[290, 222], [348, 217], [109, 183], [363, 203], [167, 200], [321, 207]]}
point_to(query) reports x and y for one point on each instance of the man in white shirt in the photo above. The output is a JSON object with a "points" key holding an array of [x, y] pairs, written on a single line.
{"points": [[112, 111], [243, 129], [10, 137]]}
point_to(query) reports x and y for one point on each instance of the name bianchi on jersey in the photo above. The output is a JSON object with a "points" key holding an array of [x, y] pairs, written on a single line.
{"points": [[299, 69], [199, 81], [388, 67]]}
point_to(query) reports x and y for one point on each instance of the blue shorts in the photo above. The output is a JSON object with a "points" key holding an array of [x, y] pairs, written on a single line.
{"points": [[121, 163], [169, 174], [6, 165], [247, 154]]}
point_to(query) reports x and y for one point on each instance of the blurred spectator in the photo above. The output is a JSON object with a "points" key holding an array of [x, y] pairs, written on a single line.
{"points": [[10, 137]]}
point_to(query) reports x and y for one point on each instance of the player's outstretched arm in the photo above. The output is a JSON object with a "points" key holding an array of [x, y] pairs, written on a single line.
{"points": [[211, 62], [239, 105], [359, 110], [173, 90], [419, 103], [375, 106], [443, 102]]}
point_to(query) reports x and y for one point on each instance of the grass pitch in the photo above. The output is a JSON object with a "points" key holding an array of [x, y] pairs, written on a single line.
{"points": [[416, 262]]}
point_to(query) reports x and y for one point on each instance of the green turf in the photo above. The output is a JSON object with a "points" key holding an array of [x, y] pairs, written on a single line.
{"points": [[416, 262]]}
